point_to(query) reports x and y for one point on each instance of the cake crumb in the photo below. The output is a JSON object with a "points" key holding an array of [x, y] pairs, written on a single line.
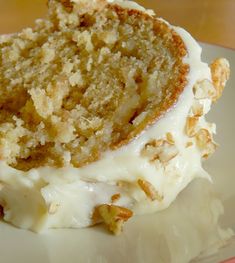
{"points": [[85, 80], [113, 216]]}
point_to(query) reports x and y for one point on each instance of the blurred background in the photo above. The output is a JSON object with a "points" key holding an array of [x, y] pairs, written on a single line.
{"points": [[211, 21]]}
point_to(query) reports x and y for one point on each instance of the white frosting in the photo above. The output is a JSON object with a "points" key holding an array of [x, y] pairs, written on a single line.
{"points": [[131, 5], [70, 194], [127, 4]]}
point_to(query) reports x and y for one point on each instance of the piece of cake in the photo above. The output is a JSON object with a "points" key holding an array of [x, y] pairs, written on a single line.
{"points": [[102, 110]]}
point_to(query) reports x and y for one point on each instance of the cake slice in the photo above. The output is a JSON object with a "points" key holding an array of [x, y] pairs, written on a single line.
{"points": [[102, 110]]}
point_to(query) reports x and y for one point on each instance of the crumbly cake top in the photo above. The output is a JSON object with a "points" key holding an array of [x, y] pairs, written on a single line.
{"points": [[87, 79]]}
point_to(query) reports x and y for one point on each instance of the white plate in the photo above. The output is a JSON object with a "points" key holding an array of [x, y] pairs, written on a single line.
{"points": [[174, 235]]}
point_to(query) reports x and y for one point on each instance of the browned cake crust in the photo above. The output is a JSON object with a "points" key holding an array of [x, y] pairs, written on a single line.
{"points": [[87, 80], [172, 90]]}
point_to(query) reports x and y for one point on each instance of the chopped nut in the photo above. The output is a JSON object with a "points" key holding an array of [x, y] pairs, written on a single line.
{"points": [[113, 216], [191, 124], [160, 150], [170, 139], [197, 109], [203, 137], [53, 208], [155, 143], [96, 218], [169, 153], [152, 149], [120, 183], [210, 149], [189, 144], [124, 184], [220, 72], [115, 198], [149, 190], [204, 89], [205, 143]]}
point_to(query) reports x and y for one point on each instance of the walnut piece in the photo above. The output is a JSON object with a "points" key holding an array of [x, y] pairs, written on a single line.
{"points": [[205, 143], [170, 139], [204, 90], [162, 150], [220, 72], [191, 124], [189, 144], [168, 153], [115, 198], [197, 109], [113, 217], [155, 143], [149, 190]]}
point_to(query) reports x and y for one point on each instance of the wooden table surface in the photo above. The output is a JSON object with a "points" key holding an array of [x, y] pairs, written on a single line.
{"points": [[211, 21]]}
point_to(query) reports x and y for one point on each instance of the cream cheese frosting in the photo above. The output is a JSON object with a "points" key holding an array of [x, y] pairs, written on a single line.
{"points": [[53, 198], [131, 5]]}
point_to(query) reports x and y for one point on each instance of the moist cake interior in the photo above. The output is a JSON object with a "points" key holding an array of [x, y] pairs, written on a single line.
{"points": [[85, 80]]}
